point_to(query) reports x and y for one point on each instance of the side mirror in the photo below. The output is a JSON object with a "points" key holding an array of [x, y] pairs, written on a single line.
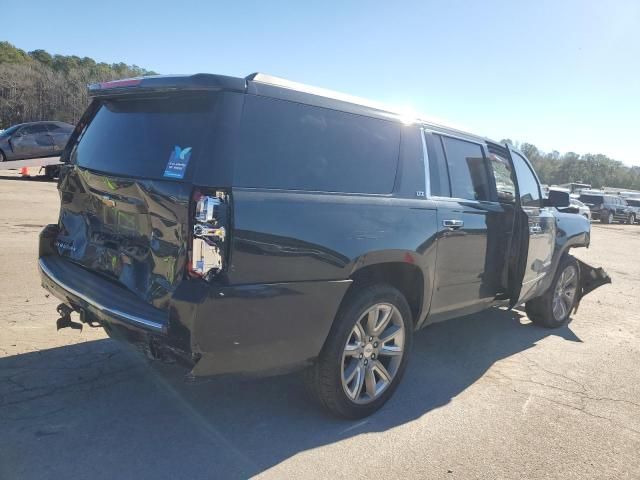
{"points": [[557, 199]]}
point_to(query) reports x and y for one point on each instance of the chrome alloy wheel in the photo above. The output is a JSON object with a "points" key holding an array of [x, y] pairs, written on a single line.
{"points": [[564, 294], [373, 353]]}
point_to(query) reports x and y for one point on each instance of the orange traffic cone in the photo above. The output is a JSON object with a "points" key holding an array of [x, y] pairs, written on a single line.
{"points": [[24, 172]]}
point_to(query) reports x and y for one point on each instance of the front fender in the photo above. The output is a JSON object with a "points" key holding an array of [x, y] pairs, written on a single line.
{"points": [[5, 146], [572, 231]]}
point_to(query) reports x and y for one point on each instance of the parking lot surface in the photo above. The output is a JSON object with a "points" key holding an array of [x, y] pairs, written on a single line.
{"points": [[485, 396]]}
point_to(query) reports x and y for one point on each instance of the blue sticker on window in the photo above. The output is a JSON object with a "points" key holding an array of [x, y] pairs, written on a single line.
{"points": [[178, 161]]}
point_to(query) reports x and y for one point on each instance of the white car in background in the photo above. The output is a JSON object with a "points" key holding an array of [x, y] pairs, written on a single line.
{"points": [[582, 208]]}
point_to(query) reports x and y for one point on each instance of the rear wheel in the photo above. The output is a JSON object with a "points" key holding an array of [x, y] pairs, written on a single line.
{"points": [[553, 308], [2, 156], [607, 217], [632, 219], [366, 353]]}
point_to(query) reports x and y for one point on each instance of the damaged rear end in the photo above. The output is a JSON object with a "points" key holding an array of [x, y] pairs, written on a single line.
{"points": [[140, 225]]}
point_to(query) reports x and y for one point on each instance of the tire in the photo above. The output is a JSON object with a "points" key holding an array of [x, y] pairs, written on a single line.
{"points": [[606, 217], [632, 219], [541, 310], [2, 156], [327, 378]]}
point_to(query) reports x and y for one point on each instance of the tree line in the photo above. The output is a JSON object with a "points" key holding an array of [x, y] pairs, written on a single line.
{"points": [[598, 170], [39, 86]]}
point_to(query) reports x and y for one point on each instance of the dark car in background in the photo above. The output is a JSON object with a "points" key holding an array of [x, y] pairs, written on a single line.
{"points": [[34, 139], [606, 208]]}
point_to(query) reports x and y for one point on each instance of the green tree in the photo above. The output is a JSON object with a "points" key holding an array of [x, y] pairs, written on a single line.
{"points": [[41, 86]]}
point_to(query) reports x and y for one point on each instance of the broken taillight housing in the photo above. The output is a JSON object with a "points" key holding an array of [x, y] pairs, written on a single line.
{"points": [[209, 234]]}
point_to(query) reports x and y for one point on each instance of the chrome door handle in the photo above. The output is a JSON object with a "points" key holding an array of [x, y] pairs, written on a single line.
{"points": [[535, 229], [453, 224]]}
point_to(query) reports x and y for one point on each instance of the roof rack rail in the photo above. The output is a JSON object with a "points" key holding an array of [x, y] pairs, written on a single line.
{"points": [[321, 92], [405, 116]]}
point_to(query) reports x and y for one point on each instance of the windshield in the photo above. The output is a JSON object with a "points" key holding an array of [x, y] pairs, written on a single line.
{"points": [[156, 137], [10, 130]]}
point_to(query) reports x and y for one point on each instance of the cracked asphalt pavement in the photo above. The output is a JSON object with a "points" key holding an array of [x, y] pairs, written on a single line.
{"points": [[485, 396]]}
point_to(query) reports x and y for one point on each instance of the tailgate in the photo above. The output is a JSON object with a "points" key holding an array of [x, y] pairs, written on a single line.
{"points": [[125, 197]]}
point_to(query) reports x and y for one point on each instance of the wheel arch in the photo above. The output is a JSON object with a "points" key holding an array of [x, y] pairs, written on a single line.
{"points": [[408, 278]]}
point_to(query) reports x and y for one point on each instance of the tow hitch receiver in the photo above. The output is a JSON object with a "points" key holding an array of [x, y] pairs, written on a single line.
{"points": [[65, 321], [65, 318], [590, 279]]}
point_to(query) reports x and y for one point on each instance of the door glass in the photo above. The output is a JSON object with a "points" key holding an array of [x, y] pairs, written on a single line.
{"points": [[438, 176], [529, 188], [503, 176], [35, 129], [467, 169]]}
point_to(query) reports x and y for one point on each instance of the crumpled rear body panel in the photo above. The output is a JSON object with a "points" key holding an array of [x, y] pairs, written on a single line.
{"points": [[133, 231]]}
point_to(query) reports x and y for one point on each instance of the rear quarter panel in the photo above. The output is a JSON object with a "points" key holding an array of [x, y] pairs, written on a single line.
{"points": [[299, 236]]}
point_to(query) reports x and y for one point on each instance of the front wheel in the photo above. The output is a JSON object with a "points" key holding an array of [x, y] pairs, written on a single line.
{"points": [[2, 156], [366, 353], [552, 309]]}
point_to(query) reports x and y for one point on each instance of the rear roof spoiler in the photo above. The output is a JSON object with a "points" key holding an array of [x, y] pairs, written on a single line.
{"points": [[197, 82]]}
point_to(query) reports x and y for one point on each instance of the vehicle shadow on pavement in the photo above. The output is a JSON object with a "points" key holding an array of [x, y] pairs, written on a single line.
{"points": [[98, 410]]}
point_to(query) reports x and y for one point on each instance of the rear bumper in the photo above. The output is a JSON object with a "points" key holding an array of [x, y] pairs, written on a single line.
{"points": [[246, 329], [97, 297]]}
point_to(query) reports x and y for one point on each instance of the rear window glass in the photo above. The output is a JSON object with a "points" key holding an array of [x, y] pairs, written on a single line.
{"points": [[158, 137], [593, 199], [287, 145]]}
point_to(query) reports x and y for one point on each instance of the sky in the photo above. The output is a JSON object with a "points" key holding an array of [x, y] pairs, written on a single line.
{"points": [[563, 75]]}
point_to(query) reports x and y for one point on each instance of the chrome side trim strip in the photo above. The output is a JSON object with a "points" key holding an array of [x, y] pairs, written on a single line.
{"points": [[111, 311]]}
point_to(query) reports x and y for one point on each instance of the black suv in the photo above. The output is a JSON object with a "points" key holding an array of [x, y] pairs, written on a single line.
{"points": [[256, 225], [607, 208]]}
